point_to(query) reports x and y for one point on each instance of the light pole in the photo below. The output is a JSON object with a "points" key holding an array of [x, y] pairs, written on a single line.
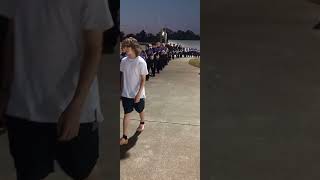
{"points": [[164, 36]]}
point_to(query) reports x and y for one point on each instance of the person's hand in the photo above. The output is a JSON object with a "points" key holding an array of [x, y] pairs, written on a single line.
{"points": [[137, 98], [69, 122]]}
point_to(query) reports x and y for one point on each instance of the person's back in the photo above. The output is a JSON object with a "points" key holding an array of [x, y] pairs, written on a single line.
{"points": [[54, 88], [149, 52]]}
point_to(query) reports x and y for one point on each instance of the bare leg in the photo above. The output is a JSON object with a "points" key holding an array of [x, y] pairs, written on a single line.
{"points": [[125, 124], [141, 125], [141, 116], [126, 119]]}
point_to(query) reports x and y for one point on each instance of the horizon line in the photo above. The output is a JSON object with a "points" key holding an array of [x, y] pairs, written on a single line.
{"points": [[159, 31]]}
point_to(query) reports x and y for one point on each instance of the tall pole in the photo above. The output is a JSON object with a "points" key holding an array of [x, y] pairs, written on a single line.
{"points": [[166, 38], [162, 35], [166, 34]]}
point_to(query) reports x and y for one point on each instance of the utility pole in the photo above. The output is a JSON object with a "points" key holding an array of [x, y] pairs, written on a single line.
{"points": [[166, 34], [163, 36]]}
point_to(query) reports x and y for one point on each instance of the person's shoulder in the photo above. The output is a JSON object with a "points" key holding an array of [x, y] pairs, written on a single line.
{"points": [[124, 59], [140, 59]]}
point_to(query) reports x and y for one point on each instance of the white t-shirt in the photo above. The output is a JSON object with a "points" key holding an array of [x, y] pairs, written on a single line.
{"points": [[132, 69], [48, 54]]}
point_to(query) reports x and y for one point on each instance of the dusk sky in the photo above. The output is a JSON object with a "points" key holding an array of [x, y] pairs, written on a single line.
{"points": [[152, 15]]}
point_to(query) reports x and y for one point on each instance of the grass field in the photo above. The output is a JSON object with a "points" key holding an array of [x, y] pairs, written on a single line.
{"points": [[195, 62]]}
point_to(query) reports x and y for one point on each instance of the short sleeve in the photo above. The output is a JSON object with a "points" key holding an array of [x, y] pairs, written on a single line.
{"points": [[143, 68], [7, 8], [122, 65], [96, 15]]}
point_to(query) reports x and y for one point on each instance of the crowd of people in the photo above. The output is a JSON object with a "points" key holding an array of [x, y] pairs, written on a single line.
{"points": [[136, 67], [158, 55]]}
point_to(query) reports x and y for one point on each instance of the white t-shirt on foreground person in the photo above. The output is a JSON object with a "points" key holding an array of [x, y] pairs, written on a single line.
{"points": [[48, 53], [54, 105], [132, 70]]}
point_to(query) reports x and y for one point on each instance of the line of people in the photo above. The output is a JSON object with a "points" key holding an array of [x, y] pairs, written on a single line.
{"points": [[158, 55], [157, 58], [136, 66]]}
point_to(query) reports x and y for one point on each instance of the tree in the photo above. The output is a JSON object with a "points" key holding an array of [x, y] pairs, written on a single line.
{"points": [[143, 36]]}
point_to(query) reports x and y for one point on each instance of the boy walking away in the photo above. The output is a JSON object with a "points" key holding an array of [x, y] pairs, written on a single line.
{"points": [[49, 92], [134, 71]]}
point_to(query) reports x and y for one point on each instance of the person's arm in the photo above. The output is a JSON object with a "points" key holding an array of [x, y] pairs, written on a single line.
{"points": [[90, 64], [121, 82], [143, 72], [7, 58], [69, 122], [142, 83], [121, 76], [95, 19]]}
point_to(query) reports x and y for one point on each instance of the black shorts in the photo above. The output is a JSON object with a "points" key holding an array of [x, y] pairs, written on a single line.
{"points": [[128, 105], [34, 147]]}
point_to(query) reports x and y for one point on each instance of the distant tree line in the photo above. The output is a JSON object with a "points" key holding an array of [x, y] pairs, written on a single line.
{"points": [[143, 36]]}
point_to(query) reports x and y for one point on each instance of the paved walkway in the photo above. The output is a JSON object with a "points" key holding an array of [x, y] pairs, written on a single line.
{"points": [[169, 148]]}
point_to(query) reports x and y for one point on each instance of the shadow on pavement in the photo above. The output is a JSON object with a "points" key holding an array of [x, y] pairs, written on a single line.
{"points": [[125, 148]]}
